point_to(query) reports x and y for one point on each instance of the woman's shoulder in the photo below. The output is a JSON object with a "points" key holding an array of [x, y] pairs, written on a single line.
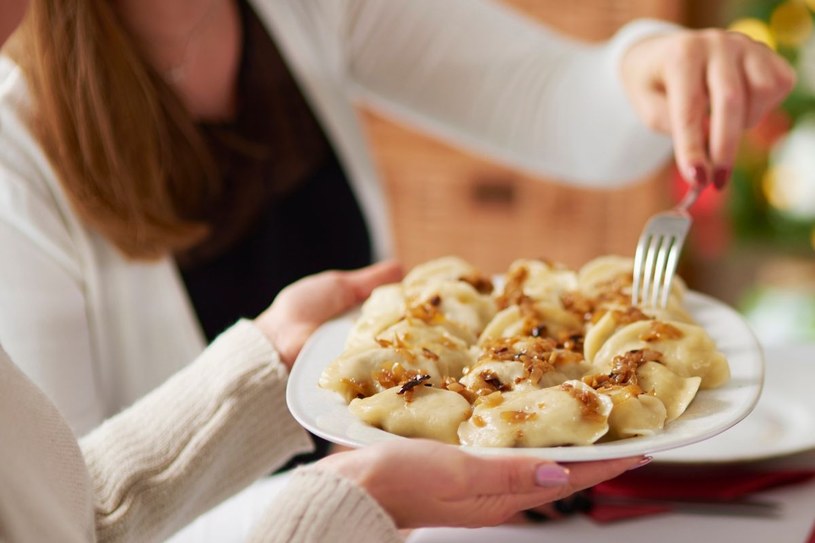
{"points": [[23, 163], [32, 202]]}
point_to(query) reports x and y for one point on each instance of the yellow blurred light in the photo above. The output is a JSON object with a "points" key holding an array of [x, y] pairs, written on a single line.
{"points": [[810, 4], [791, 23], [772, 191], [756, 29]]}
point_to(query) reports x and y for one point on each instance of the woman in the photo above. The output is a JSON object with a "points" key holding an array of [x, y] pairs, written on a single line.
{"points": [[162, 174], [220, 423]]}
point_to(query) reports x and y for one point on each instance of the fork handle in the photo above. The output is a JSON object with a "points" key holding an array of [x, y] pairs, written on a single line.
{"points": [[690, 197]]}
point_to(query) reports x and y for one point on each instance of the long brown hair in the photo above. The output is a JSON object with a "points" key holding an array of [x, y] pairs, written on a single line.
{"points": [[126, 151]]}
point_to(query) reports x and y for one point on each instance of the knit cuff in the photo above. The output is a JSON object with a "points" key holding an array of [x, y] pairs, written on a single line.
{"points": [[207, 432], [637, 30]]}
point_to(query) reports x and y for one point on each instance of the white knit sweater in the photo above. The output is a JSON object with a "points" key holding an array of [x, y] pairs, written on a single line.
{"points": [[206, 433]]}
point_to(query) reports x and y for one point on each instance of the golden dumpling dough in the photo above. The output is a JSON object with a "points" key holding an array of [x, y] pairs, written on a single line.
{"points": [[568, 414], [610, 322], [674, 391], [523, 362], [539, 319], [538, 280], [427, 412], [407, 348], [615, 273], [449, 268], [615, 317], [634, 413], [685, 349], [491, 375], [383, 308], [455, 305]]}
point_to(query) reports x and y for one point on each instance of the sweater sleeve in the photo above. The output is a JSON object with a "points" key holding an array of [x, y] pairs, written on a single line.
{"points": [[480, 74], [319, 506], [209, 431]]}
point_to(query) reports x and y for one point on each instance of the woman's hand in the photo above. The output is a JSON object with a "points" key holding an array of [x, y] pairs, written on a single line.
{"points": [[425, 483], [704, 88], [304, 305]]}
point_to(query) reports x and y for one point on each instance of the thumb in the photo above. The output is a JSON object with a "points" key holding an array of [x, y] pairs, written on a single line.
{"points": [[362, 281]]}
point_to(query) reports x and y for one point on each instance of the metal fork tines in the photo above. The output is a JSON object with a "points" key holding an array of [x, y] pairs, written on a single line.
{"points": [[658, 251]]}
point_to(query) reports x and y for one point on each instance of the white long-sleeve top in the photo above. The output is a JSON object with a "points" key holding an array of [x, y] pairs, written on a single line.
{"points": [[96, 331]]}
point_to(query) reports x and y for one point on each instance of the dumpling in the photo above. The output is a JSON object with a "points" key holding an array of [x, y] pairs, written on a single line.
{"points": [[606, 273], [383, 308], [521, 363], [568, 414], [537, 320], [455, 305], [634, 413], [449, 268], [637, 410], [538, 280], [610, 278], [428, 412], [604, 328], [674, 391], [685, 349], [404, 350], [641, 372]]}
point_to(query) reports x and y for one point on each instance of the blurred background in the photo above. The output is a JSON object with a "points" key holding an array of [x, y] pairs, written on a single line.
{"points": [[752, 245]]}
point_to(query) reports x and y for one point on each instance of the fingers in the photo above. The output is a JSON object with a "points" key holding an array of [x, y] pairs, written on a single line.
{"points": [[770, 80], [339, 291], [518, 475], [511, 484], [728, 110], [710, 85], [362, 281], [687, 109], [581, 476]]}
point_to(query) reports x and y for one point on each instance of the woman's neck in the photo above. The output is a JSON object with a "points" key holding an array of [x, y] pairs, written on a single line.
{"points": [[194, 44]]}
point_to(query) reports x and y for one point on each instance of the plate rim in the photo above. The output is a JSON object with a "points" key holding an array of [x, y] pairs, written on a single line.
{"points": [[615, 449], [774, 451]]}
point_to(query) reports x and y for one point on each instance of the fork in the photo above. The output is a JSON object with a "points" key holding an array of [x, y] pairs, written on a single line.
{"points": [[658, 251]]}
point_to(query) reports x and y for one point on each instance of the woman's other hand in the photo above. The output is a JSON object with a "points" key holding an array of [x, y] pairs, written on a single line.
{"points": [[704, 88], [425, 483], [304, 305]]}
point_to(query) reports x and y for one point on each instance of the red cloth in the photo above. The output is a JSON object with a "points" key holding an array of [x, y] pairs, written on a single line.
{"points": [[686, 484], [812, 535]]}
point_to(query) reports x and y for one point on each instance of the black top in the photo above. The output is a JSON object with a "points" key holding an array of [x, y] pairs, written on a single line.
{"points": [[286, 209]]}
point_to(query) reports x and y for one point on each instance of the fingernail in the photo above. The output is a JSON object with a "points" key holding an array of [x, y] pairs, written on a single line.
{"points": [[698, 174], [551, 475], [644, 461], [720, 177]]}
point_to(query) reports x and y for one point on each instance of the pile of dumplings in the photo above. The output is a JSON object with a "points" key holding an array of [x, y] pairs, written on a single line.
{"points": [[553, 357]]}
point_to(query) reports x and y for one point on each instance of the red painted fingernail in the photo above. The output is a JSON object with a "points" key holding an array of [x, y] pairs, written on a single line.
{"points": [[698, 174], [720, 177]]}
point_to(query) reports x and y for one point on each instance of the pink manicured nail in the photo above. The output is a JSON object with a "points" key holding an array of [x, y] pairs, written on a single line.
{"points": [[551, 475], [643, 462], [720, 177]]}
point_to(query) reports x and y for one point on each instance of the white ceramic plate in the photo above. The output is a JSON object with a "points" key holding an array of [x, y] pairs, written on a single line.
{"points": [[782, 423], [325, 414]]}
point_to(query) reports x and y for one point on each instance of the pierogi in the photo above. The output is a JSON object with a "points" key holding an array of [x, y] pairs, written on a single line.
{"points": [[555, 357]]}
